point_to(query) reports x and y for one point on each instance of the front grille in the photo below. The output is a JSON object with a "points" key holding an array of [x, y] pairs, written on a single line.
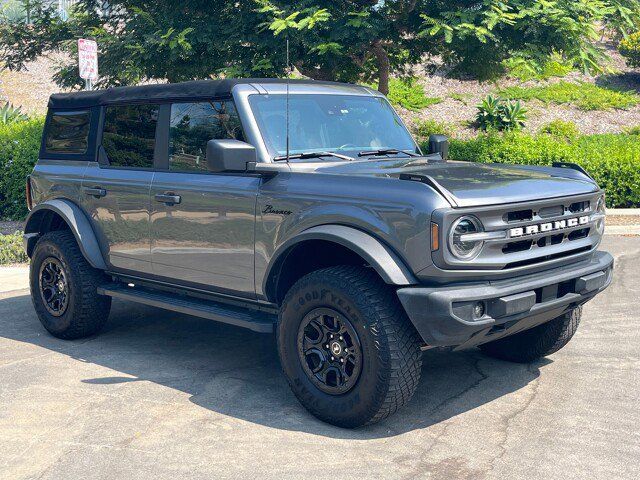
{"points": [[529, 234]]}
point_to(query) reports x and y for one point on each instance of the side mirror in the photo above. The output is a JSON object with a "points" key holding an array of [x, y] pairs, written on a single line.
{"points": [[439, 144], [229, 155]]}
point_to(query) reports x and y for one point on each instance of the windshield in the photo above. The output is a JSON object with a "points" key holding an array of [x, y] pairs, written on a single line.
{"points": [[346, 124]]}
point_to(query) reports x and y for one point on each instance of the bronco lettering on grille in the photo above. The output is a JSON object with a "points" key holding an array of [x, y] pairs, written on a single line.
{"points": [[548, 227]]}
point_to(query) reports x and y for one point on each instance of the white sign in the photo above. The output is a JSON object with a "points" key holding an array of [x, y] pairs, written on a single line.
{"points": [[88, 59]]}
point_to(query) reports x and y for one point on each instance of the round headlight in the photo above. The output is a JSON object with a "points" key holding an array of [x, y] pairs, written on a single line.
{"points": [[467, 249], [600, 210]]}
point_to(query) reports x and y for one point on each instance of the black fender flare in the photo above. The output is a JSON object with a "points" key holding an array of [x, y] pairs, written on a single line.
{"points": [[78, 223], [381, 258]]}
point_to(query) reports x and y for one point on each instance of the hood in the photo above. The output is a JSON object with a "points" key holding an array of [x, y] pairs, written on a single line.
{"points": [[467, 184]]}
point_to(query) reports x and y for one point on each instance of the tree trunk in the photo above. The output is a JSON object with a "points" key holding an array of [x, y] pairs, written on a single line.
{"points": [[384, 67]]}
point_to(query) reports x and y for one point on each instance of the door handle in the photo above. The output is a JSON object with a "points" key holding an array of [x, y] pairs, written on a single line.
{"points": [[95, 192], [168, 198]]}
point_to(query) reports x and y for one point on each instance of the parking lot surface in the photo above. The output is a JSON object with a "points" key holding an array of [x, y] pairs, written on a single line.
{"points": [[164, 396]]}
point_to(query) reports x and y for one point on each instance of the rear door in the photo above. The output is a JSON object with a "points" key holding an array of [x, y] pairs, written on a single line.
{"points": [[202, 223], [115, 191]]}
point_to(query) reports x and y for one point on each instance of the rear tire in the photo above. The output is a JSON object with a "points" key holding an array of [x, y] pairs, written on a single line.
{"points": [[350, 314], [64, 288], [537, 342]]}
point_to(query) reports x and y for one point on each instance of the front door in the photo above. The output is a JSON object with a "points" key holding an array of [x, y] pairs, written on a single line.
{"points": [[115, 191], [202, 223]]}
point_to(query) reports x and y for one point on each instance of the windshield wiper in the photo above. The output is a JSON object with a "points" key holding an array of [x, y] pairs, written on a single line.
{"points": [[301, 156], [386, 151]]}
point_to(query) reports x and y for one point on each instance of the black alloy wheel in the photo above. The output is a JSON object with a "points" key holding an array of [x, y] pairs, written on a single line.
{"points": [[329, 350], [54, 288]]}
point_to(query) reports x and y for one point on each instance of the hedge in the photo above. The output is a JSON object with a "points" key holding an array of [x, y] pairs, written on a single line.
{"points": [[613, 160], [11, 249], [19, 147]]}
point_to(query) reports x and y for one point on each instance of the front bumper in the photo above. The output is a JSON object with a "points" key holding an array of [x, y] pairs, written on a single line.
{"points": [[443, 316]]}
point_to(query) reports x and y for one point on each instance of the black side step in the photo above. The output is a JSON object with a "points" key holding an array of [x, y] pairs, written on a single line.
{"points": [[257, 321]]}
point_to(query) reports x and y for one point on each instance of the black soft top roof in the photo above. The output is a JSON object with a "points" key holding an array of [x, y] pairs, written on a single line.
{"points": [[160, 92]]}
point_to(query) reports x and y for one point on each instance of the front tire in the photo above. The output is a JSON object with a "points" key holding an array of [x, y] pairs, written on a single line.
{"points": [[537, 342], [64, 288], [346, 346]]}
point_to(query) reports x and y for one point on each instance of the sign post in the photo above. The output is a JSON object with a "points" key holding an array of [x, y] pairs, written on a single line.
{"points": [[88, 61]]}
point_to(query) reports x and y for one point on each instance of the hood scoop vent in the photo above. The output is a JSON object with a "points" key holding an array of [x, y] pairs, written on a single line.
{"points": [[422, 178]]}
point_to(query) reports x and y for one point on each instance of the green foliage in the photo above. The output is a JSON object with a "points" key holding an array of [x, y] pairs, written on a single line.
{"points": [[622, 18], [11, 249], [11, 114], [526, 69], [585, 96], [612, 159], [560, 129], [635, 130], [630, 49], [424, 128], [329, 40], [495, 113], [461, 97], [12, 11], [480, 38], [409, 94], [19, 147]]}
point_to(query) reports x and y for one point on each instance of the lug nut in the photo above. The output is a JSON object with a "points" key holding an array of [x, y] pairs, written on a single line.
{"points": [[340, 337], [332, 358]]}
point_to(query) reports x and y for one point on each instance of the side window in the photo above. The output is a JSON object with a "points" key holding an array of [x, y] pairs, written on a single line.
{"points": [[68, 132], [129, 135], [193, 125]]}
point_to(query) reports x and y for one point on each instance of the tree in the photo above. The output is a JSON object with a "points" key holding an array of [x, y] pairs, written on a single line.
{"points": [[348, 40]]}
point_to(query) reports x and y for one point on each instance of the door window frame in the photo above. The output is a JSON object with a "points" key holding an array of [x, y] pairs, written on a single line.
{"points": [[161, 146], [163, 157], [101, 154]]}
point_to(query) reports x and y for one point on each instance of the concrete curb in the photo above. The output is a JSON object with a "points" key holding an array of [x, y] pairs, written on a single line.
{"points": [[622, 230], [623, 211]]}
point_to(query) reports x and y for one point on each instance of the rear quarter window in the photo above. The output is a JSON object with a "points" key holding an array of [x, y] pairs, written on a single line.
{"points": [[68, 132]]}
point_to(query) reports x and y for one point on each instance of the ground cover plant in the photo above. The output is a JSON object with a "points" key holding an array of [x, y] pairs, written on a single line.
{"points": [[585, 96]]}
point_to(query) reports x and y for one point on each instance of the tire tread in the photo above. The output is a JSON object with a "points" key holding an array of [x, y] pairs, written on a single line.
{"points": [[93, 308]]}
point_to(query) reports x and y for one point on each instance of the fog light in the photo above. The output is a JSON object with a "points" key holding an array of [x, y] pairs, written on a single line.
{"points": [[478, 310]]}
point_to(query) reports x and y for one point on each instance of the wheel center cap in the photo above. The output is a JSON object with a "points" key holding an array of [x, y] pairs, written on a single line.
{"points": [[60, 286], [336, 348]]}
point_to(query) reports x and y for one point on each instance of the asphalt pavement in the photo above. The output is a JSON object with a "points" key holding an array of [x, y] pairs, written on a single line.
{"points": [[164, 396]]}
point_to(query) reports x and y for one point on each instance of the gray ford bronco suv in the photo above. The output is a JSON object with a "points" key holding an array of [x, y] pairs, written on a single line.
{"points": [[306, 209]]}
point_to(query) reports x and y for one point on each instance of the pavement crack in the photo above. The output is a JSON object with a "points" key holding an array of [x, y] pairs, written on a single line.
{"points": [[507, 420], [423, 460]]}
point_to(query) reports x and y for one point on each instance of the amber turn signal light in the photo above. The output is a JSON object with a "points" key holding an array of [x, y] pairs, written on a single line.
{"points": [[435, 236], [28, 193]]}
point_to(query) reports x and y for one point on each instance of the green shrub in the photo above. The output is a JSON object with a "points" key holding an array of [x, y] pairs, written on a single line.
{"points": [[528, 69], [630, 49], [11, 249], [11, 114], [560, 129], [635, 130], [424, 128], [495, 113], [409, 94], [19, 147], [585, 96], [612, 159]]}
